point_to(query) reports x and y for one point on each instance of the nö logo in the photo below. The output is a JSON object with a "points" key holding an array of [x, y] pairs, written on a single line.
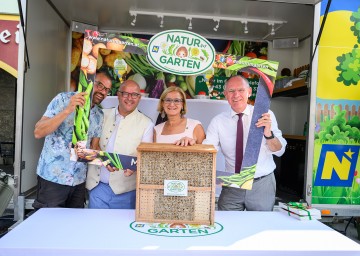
{"points": [[337, 165]]}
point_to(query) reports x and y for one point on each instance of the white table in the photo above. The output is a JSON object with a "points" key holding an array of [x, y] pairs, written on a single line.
{"points": [[107, 232]]}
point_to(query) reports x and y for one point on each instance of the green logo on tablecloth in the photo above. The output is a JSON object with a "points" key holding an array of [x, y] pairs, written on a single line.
{"points": [[176, 229]]}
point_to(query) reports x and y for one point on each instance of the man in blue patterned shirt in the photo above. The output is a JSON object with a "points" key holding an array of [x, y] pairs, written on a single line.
{"points": [[61, 182]]}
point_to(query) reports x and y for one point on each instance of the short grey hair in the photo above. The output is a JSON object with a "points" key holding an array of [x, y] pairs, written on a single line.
{"points": [[246, 82]]}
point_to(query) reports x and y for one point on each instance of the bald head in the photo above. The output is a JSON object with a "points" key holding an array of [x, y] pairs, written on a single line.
{"points": [[129, 83]]}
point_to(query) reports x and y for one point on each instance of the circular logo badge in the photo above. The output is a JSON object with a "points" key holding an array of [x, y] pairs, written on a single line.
{"points": [[176, 229], [176, 186], [180, 52]]}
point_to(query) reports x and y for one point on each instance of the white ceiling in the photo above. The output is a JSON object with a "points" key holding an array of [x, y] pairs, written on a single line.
{"points": [[113, 15]]}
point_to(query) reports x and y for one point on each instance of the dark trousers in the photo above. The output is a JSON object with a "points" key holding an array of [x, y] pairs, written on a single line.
{"points": [[52, 195]]}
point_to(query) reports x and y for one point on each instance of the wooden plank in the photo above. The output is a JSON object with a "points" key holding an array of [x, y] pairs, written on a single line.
{"points": [[294, 137], [138, 175], [298, 88], [212, 208], [147, 186], [166, 147], [197, 222]]}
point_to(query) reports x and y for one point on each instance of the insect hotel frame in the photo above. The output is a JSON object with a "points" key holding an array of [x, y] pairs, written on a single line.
{"points": [[175, 184]]}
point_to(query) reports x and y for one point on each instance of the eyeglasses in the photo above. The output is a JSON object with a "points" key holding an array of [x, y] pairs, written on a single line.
{"points": [[102, 87], [175, 101], [134, 95]]}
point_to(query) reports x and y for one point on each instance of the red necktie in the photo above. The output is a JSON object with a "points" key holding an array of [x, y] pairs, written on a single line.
{"points": [[239, 144]]}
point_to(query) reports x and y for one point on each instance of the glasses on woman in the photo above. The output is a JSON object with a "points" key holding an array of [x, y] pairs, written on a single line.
{"points": [[175, 101], [133, 95], [102, 87]]}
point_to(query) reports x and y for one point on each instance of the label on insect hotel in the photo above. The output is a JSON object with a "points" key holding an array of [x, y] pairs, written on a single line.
{"points": [[175, 187]]}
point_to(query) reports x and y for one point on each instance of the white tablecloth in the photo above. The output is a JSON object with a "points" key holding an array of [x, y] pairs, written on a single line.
{"points": [[107, 232]]}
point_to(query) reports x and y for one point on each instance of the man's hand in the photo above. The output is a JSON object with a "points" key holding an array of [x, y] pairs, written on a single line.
{"points": [[47, 125], [87, 154], [111, 169], [265, 121], [76, 100], [128, 172]]}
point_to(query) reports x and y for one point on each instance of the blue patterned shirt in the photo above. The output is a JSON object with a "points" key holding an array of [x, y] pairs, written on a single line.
{"points": [[54, 163]]}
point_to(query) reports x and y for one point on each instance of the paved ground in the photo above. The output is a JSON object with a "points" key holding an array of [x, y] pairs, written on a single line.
{"points": [[346, 228]]}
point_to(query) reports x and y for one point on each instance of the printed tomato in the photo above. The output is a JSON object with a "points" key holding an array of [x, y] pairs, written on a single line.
{"points": [[245, 74], [95, 33], [251, 55]]}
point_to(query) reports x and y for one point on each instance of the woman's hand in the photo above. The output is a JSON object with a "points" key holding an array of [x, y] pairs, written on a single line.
{"points": [[185, 141]]}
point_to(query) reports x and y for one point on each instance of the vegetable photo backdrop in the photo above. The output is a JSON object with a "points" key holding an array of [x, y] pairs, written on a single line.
{"points": [[336, 177], [128, 56], [208, 85]]}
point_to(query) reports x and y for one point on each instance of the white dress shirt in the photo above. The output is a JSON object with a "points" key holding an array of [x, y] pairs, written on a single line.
{"points": [[222, 134]]}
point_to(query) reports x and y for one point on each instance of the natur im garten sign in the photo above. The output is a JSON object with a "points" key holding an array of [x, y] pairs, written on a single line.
{"points": [[180, 52]]}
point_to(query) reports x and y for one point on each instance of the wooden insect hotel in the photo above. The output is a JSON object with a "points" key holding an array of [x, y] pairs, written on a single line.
{"points": [[164, 167]]}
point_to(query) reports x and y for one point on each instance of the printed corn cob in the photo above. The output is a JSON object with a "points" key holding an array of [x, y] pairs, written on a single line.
{"points": [[81, 122]]}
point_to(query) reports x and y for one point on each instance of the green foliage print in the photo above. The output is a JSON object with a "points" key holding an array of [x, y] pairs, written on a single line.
{"points": [[337, 130], [355, 17], [349, 63], [349, 67]]}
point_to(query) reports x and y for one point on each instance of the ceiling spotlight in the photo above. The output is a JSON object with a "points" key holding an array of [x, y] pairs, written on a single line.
{"points": [[217, 25], [190, 24], [272, 29], [161, 21], [134, 20], [245, 28]]}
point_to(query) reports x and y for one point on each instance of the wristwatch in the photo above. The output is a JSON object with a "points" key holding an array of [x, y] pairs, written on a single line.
{"points": [[270, 137]]}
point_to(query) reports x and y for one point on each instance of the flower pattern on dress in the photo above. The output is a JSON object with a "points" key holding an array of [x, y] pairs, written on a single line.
{"points": [[54, 162]]}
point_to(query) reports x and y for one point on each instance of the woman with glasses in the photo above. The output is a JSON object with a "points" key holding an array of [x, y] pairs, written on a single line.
{"points": [[177, 129]]}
